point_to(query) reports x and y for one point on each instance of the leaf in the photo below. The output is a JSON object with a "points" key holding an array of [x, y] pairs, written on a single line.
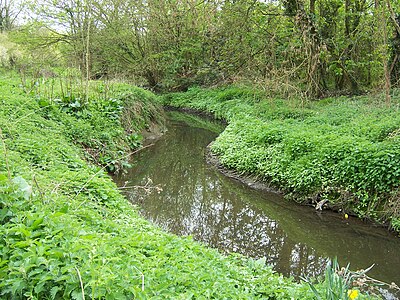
{"points": [[53, 291], [3, 262], [75, 104], [261, 262], [23, 186], [5, 213], [3, 178], [40, 287], [115, 295], [37, 223], [43, 102], [77, 295], [23, 244]]}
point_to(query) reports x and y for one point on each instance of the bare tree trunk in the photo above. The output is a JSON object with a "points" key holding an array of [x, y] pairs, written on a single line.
{"points": [[7, 15]]}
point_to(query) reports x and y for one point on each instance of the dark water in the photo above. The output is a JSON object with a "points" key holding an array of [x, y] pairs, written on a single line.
{"points": [[197, 200]]}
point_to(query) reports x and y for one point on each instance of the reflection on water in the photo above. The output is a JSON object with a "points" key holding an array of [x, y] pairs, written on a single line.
{"points": [[197, 200]]}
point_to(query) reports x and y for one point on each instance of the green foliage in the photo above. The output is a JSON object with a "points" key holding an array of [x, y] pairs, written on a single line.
{"points": [[66, 231], [107, 123], [342, 150], [339, 283], [287, 48]]}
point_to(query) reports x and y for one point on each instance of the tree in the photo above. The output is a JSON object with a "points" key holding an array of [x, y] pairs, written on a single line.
{"points": [[312, 47], [381, 19], [312, 44], [9, 13]]}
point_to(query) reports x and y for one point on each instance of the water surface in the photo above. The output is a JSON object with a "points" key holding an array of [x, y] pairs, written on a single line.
{"points": [[183, 194]]}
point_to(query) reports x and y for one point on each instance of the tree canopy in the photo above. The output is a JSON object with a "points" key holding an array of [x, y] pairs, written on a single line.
{"points": [[287, 47]]}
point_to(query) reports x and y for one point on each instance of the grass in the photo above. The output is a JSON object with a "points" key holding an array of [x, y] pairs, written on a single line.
{"points": [[344, 152]]}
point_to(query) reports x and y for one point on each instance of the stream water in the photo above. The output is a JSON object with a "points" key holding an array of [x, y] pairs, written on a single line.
{"points": [[183, 194]]}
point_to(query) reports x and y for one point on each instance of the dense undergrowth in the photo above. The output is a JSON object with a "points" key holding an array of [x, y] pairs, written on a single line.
{"points": [[67, 233], [107, 123], [341, 152]]}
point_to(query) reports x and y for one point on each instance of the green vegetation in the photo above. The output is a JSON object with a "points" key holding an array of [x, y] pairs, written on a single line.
{"points": [[343, 152], [285, 47], [337, 286], [107, 123], [67, 233]]}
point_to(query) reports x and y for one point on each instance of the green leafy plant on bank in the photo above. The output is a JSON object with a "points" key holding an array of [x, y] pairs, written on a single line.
{"points": [[107, 123], [67, 233], [343, 153]]}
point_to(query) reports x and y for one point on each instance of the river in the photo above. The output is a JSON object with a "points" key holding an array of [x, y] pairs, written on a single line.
{"points": [[177, 190]]}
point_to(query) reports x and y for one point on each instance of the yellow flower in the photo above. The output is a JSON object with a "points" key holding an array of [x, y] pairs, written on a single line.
{"points": [[353, 294]]}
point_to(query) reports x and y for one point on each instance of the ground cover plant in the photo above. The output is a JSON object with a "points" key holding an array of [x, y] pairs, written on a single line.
{"points": [[338, 152], [67, 233], [106, 120]]}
